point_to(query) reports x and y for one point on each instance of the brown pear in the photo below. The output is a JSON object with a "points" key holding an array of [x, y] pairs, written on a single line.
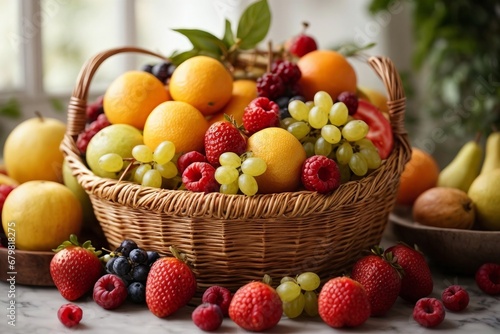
{"points": [[444, 207]]}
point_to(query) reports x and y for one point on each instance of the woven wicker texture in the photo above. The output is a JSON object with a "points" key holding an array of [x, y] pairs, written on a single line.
{"points": [[230, 240]]}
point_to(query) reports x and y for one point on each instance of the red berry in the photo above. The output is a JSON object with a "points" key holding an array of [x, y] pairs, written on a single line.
{"points": [[94, 109], [218, 295], [343, 302], [84, 137], [350, 100], [288, 71], [428, 312], [207, 317], [261, 113], [270, 85], [256, 306], [110, 291], [320, 173], [187, 158], [223, 136], [200, 177], [302, 43], [488, 278], [70, 314], [455, 298]]}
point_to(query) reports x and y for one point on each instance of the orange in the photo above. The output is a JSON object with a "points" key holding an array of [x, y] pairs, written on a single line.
{"points": [[244, 91], [283, 154], [43, 215], [203, 82], [328, 71], [178, 122], [420, 174], [132, 96]]}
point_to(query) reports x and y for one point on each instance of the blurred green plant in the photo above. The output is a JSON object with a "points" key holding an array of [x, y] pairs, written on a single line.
{"points": [[456, 42]]}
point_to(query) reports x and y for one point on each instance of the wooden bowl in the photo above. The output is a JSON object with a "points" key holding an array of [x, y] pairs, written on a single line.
{"points": [[29, 268], [450, 250]]}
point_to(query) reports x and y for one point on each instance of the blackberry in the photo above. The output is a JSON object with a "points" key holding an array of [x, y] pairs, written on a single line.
{"points": [[350, 100], [270, 85], [288, 71]]}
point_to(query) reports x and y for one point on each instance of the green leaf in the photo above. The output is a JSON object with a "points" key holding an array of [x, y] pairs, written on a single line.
{"points": [[177, 58], [11, 109], [203, 40], [228, 38], [254, 24]]}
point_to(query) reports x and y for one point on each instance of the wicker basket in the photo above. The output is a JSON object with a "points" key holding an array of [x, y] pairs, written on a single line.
{"points": [[230, 240]]}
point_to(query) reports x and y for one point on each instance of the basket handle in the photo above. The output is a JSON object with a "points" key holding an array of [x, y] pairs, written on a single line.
{"points": [[78, 101]]}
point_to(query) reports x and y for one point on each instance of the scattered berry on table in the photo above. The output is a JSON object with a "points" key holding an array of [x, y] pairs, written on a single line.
{"points": [[429, 312], [259, 114], [350, 100], [137, 292], [270, 85], [200, 177], [321, 174], [488, 278], [223, 136], [187, 158], [218, 295], [455, 298], [207, 316], [70, 314], [110, 291]]}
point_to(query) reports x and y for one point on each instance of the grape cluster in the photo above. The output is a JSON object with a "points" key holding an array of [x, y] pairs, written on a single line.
{"points": [[238, 173], [131, 263], [162, 70], [325, 127], [149, 168], [299, 294]]}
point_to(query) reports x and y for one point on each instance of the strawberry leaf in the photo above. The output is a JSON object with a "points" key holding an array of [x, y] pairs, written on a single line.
{"points": [[254, 24], [205, 41]]}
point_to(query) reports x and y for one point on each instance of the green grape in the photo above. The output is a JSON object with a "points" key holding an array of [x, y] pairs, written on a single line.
{"points": [[142, 153], [226, 174], [287, 279], [299, 129], [358, 164], [288, 291], [152, 178], [140, 171], [309, 148], [344, 153], [229, 189], [298, 110], [168, 170], [295, 307], [345, 173], [323, 100], [355, 130], [322, 147], [331, 133], [164, 152], [308, 281], [309, 104], [318, 117], [372, 157], [311, 303], [230, 159], [285, 122], [247, 184], [111, 162], [364, 143], [253, 166], [338, 114]]}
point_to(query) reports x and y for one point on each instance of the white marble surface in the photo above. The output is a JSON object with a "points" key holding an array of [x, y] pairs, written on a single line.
{"points": [[36, 312]]}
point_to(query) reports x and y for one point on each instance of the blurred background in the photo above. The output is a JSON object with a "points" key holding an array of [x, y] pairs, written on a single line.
{"points": [[446, 52]]}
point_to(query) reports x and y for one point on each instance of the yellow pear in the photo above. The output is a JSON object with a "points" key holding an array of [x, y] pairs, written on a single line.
{"points": [[485, 193]]}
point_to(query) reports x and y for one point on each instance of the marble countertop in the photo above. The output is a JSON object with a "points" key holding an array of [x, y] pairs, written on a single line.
{"points": [[36, 312]]}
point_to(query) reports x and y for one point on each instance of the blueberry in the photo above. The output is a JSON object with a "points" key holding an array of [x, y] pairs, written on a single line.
{"points": [[282, 101], [137, 292], [163, 71], [109, 265], [140, 273], [138, 256], [152, 256], [121, 266], [127, 246]]}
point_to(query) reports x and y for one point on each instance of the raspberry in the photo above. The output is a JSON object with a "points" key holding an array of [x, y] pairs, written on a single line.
{"points": [[455, 298], [94, 109], [428, 312], [200, 176], [488, 278], [84, 137], [218, 295], [321, 174], [207, 317], [70, 314], [261, 113], [350, 100], [187, 158], [110, 291], [288, 72], [270, 85]]}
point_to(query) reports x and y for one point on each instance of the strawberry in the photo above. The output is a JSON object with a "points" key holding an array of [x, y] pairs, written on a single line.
{"points": [[343, 302], [256, 306], [170, 285], [223, 136], [75, 268], [417, 278], [381, 278], [261, 113]]}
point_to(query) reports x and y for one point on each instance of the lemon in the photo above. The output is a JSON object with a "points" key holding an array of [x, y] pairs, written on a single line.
{"points": [[485, 193], [41, 215]]}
